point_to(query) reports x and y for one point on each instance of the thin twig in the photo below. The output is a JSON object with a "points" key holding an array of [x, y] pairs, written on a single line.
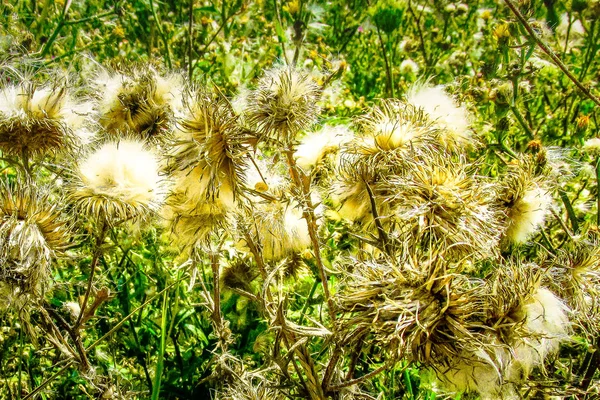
{"points": [[550, 53], [95, 257]]}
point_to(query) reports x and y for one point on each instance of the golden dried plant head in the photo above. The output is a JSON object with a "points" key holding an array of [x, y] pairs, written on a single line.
{"points": [[33, 232], [316, 145], [283, 104], [210, 143], [442, 202], [207, 164], [37, 120], [422, 308], [524, 199], [442, 109], [574, 274], [546, 325], [528, 318], [118, 181], [481, 372], [279, 228], [239, 274], [141, 103], [391, 135]]}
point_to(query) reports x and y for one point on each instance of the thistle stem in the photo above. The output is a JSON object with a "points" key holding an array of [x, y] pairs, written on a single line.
{"points": [[97, 252], [309, 215], [598, 191]]}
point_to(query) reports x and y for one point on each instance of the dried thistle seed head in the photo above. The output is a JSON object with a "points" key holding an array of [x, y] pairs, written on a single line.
{"points": [[390, 138], [546, 325], [190, 223], [574, 274], [422, 308], [280, 229], [284, 103], [142, 102], [442, 202], [35, 120], [239, 274], [210, 146], [442, 109], [118, 181], [315, 146], [32, 233], [481, 372], [530, 319], [524, 200]]}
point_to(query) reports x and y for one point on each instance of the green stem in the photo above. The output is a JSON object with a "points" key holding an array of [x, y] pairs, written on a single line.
{"points": [[388, 69], [570, 211], [598, 191], [522, 121], [162, 34], [161, 354], [308, 299]]}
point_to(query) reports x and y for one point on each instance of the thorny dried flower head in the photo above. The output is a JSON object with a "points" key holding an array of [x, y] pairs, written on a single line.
{"points": [[38, 120], [574, 273], [142, 103], [524, 199], [207, 164], [32, 233], [277, 221], [118, 181], [315, 146], [284, 103], [441, 202], [389, 138], [422, 308]]}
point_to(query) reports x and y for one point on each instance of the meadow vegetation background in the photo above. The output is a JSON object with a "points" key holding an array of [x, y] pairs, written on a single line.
{"points": [[278, 199]]}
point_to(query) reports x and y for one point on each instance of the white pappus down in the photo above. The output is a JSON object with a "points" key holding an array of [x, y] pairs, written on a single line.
{"points": [[452, 119], [546, 320], [315, 146], [125, 171], [528, 214]]}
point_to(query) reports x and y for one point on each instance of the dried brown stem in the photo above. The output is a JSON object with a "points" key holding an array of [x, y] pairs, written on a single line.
{"points": [[302, 183], [93, 265]]}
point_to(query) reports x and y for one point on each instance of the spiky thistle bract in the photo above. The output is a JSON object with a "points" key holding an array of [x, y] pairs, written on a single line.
{"points": [[33, 232], [141, 103]]}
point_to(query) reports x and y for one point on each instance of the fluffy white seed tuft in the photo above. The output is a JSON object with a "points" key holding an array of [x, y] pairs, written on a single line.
{"points": [[528, 214], [442, 108]]}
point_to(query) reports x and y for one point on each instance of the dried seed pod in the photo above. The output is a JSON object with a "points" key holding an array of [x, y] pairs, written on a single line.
{"points": [[207, 166], [32, 233], [524, 199], [284, 103], [142, 103], [38, 120], [118, 181]]}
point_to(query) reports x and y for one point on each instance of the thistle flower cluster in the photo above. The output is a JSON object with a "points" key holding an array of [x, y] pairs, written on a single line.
{"points": [[405, 181]]}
